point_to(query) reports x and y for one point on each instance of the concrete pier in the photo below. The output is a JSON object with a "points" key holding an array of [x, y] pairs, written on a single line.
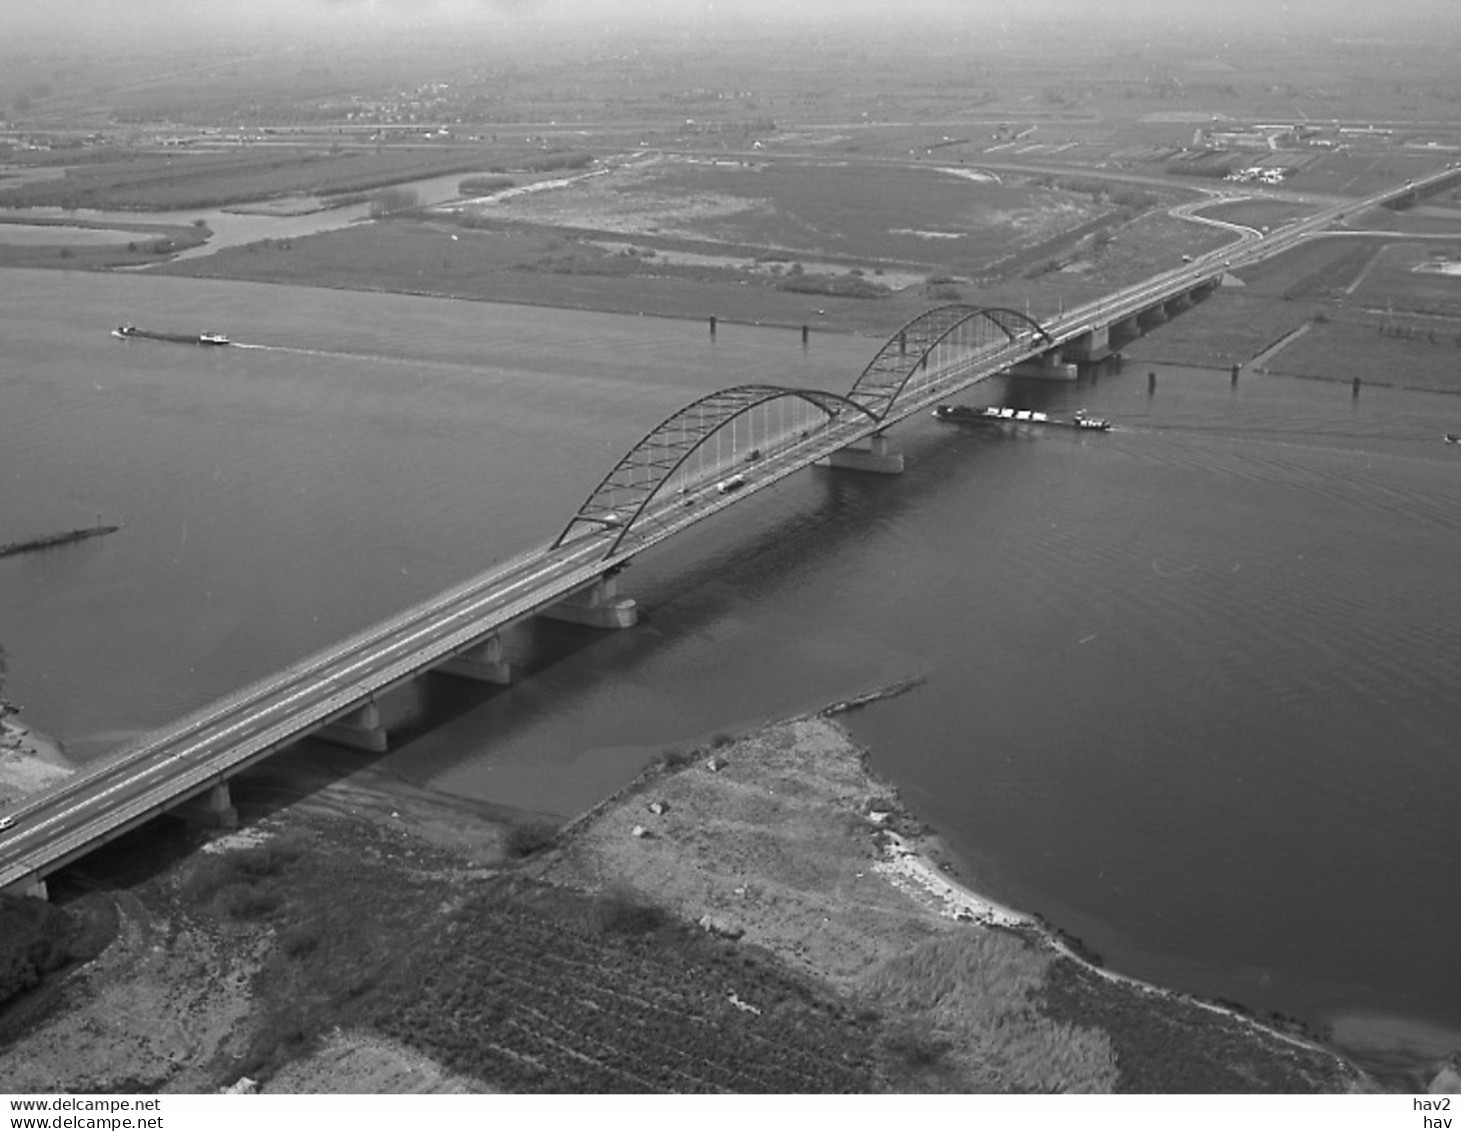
{"points": [[1047, 367], [32, 886], [598, 606], [213, 808], [879, 457], [1153, 316], [1092, 346], [482, 661], [359, 730]]}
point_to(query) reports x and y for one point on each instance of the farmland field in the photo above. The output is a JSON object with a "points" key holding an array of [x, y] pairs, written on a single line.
{"points": [[810, 208], [534, 989], [156, 182], [1398, 279]]}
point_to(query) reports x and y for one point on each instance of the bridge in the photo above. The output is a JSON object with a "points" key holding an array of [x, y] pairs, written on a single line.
{"points": [[709, 455]]}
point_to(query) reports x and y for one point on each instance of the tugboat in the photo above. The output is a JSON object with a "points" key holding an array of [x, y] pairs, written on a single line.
{"points": [[1453, 437], [212, 339], [1090, 423]]}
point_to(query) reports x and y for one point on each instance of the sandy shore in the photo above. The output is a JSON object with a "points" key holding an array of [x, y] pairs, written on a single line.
{"points": [[29, 761], [909, 870], [786, 839]]}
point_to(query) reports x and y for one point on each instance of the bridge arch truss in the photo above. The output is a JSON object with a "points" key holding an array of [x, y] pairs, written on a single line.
{"points": [[937, 343], [700, 452]]}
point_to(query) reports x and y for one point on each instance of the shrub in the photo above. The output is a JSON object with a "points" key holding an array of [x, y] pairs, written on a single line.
{"points": [[226, 879], [32, 941], [672, 758], [526, 839], [247, 901], [623, 911], [478, 186], [551, 161], [390, 201], [841, 286], [300, 940], [915, 1049]]}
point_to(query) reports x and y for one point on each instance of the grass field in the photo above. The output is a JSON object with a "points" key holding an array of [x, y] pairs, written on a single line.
{"points": [[168, 181], [1262, 214], [1317, 269], [1230, 328], [153, 243], [519, 984], [1393, 282], [792, 242], [1349, 348], [541, 268], [866, 214], [1369, 315], [537, 988], [1180, 1047]]}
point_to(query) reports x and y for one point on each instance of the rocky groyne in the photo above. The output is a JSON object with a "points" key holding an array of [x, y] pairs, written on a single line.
{"points": [[63, 538]]}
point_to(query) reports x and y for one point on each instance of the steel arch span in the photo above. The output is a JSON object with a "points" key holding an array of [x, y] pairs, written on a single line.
{"points": [[704, 444], [937, 341]]}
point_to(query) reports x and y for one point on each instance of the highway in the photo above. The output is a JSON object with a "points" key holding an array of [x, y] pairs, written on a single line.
{"points": [[203, 749], [1246, 252]]}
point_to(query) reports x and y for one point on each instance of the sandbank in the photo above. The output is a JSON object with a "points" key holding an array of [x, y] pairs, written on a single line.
{"points": [[29, 761]]}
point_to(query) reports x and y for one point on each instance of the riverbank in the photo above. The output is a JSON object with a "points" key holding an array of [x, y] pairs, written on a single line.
{"points": [[772, 910], [29, 761], [785, 840]]}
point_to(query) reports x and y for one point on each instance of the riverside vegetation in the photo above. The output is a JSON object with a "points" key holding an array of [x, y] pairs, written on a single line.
{"points": [[745, 942]]}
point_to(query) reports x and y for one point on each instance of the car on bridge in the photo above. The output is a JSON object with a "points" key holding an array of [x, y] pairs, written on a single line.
{"points": [[734, 483], [6, 822]]}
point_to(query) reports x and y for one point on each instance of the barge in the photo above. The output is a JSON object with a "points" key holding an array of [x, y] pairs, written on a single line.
{"points": [[207, 338], [965, 414]]}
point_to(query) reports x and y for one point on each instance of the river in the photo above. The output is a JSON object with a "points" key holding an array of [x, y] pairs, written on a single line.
{"points": [[1190, 683]]}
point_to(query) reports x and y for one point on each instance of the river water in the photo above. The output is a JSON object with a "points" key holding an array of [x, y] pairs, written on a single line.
{"points": [[1190, 685]]}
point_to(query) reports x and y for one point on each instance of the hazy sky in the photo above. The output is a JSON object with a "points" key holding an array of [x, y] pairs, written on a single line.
{"points": [[63, 18]]}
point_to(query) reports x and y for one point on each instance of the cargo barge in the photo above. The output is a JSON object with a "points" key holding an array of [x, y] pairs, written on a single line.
{"points": [[208, 338], [964, 414]]}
